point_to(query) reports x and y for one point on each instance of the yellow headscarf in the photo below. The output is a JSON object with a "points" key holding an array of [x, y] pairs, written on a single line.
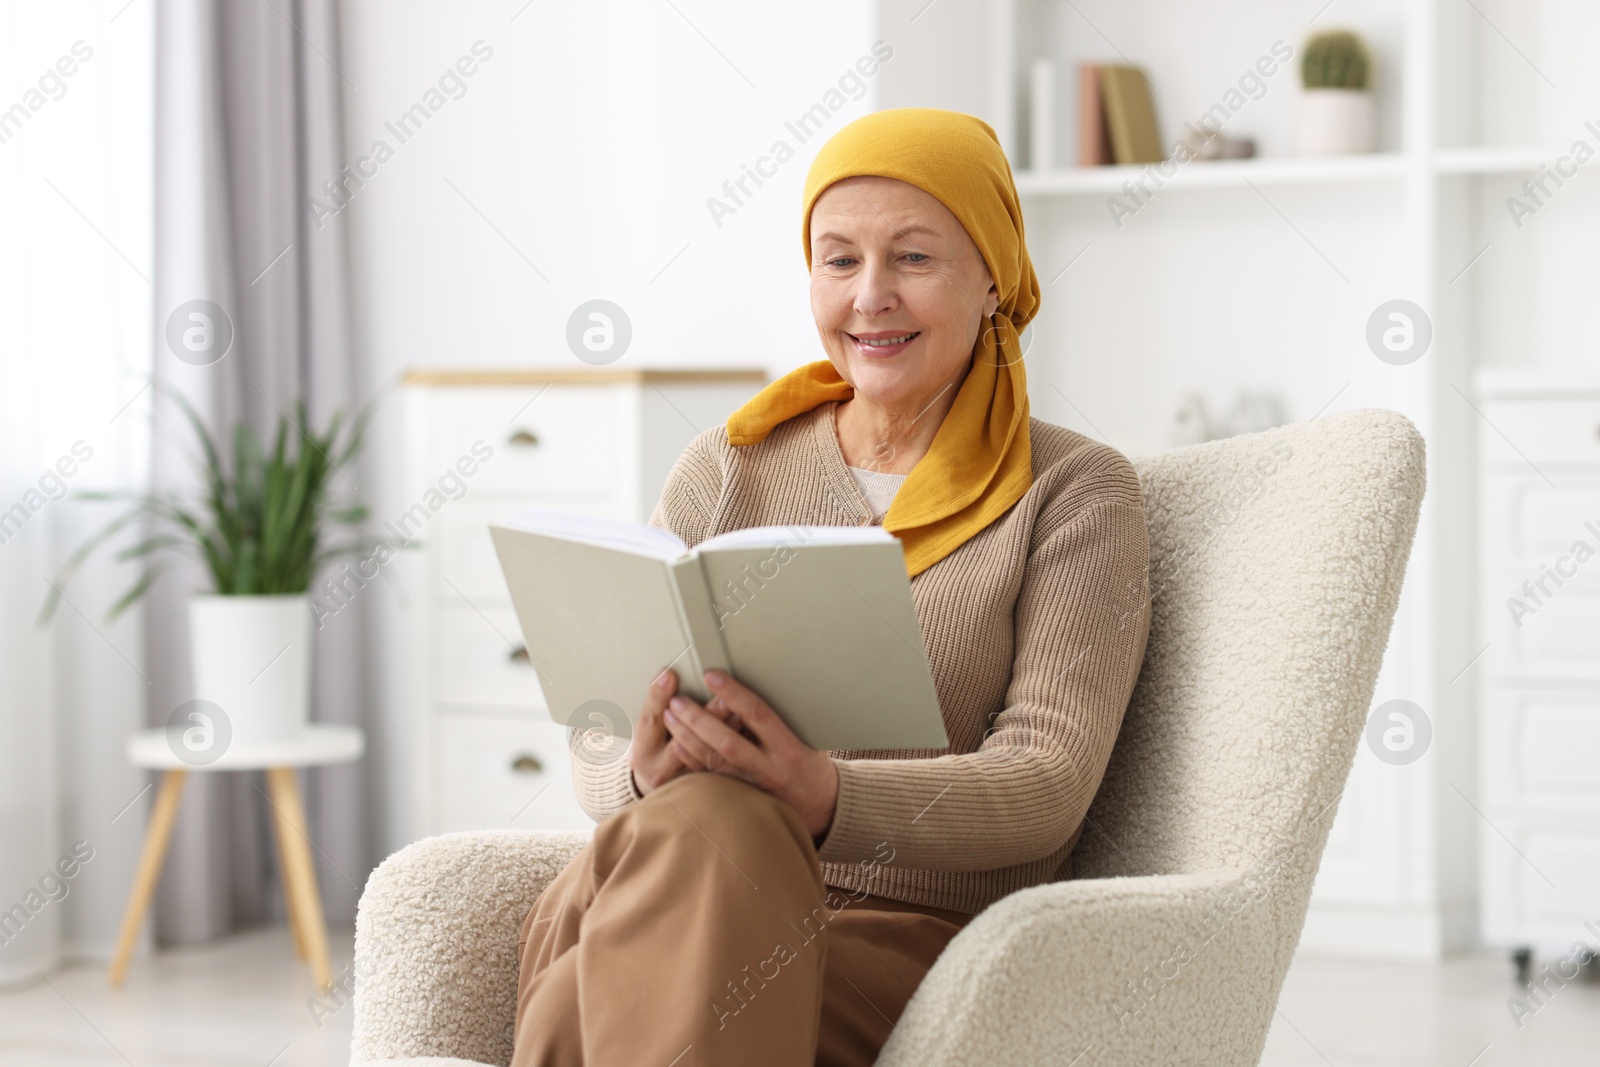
{"points": [[979, 463]]}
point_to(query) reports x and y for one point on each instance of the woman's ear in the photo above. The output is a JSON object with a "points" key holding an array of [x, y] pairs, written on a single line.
{"points": [[991, 301]]}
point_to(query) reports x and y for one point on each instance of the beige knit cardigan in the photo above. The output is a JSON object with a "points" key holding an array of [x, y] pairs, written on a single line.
{"points": [[1035, 629]]}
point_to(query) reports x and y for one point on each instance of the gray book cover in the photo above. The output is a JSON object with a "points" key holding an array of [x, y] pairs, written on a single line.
{"points": [[819, 620]]}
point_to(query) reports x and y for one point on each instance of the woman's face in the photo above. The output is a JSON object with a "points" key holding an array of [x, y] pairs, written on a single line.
{"points": [[889, 260]]}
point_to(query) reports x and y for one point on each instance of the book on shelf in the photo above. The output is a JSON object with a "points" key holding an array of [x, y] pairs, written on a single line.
{"points": [[1094, 139], [1130, 115], [818, 620]]}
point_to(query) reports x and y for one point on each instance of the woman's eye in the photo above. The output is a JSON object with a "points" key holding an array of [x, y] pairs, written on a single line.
{"points": [[923, 255], [836, 262]]}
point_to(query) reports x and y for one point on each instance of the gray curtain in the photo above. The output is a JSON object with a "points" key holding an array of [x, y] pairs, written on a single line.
{"points": [[247, 128]]}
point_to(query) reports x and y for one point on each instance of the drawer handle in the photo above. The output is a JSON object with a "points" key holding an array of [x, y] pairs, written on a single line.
{"points": [[524, 438], [526, 764], [520, 655]]}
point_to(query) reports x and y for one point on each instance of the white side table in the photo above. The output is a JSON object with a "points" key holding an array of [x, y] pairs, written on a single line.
{"points": [[321, 743]]}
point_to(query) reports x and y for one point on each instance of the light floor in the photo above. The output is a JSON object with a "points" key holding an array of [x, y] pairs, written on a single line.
{"points": [[244, 1002], [1454, 1014]]}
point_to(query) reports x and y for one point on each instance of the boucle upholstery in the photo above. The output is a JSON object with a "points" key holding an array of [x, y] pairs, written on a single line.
{"points": [[1276, 565]]}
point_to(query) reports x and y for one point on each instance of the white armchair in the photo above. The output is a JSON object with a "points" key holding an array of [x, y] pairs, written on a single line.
{"points": [[1276, 565]]}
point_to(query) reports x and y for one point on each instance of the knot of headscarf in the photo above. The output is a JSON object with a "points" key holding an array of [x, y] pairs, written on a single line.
{"points": [[979, 463]]}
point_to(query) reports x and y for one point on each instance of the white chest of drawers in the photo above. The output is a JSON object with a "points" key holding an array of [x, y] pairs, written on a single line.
{"points": [[480, 447], [1540, 713]]}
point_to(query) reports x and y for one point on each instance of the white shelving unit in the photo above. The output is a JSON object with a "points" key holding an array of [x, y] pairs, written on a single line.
{"points": [[1262, 273]]}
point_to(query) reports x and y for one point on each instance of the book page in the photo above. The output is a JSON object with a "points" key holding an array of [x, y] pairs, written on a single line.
{"points": [[599, 623], [634, 537], [756, 536], [827, 633]]}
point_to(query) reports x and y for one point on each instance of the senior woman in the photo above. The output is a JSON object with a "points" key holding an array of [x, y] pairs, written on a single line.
{"points": [[747, 899]]}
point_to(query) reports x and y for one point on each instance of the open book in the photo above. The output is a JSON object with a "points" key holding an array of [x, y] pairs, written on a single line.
{"points": [[818, 620]]}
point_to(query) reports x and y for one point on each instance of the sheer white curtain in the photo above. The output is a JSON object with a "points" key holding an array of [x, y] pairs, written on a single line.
{"points": [[75, 273]]}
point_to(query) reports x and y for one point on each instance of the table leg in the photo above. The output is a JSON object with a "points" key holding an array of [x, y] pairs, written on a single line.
{"points": [[156, 836], [293, 917], [299, 874]]}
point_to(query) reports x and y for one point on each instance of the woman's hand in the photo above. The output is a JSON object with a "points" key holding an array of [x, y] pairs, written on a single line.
{"points": [[766, 753], [651, 761]]}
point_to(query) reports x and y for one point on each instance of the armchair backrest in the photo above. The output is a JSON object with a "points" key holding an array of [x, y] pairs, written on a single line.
{"points": [[1276, 561]]}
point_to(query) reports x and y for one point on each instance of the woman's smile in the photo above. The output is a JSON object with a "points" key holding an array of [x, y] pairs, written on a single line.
{"points": [[882, 343]]}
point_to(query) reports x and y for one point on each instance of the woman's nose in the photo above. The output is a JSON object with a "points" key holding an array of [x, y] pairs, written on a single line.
{"points": [[875, 293]]}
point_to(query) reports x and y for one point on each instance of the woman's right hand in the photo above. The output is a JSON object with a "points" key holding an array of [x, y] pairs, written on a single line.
{"points": [[651, 758]]}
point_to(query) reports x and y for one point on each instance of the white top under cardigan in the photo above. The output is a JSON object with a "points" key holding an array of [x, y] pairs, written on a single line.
{"points": [[878, 488]]}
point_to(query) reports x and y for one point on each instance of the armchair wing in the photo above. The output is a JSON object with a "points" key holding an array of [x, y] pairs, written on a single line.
{"points": [[436, 943], [1106, 970]]}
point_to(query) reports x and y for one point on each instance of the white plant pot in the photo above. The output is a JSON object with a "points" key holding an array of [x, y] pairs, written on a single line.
{"points": [[1334, 122], [252, 659]]}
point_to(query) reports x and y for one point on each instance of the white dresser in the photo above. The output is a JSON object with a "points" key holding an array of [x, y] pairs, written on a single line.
{"points": [[482, 446], [1540, 714]]}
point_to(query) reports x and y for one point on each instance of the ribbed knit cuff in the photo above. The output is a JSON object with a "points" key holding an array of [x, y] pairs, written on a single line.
{"points": [[853, 837]]}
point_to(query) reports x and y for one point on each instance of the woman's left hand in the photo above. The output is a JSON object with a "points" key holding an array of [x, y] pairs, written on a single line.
{"points": [[774, 759]]}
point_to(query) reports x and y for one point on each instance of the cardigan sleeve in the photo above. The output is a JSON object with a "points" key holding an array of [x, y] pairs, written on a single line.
{"points": [[1082, 619], [600, 772]]}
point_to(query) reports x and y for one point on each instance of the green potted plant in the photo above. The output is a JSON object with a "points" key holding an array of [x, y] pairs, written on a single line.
{"points": [[261, 528], [1336, 105]]}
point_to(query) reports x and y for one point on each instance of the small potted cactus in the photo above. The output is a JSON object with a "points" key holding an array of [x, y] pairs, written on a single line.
{"points": [[1336, 111]]}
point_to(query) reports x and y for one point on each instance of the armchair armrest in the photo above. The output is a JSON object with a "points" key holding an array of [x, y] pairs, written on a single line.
{"points": [[1173, 969], [436, 943]]}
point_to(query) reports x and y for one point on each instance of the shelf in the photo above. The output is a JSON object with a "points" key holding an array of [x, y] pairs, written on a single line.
{"points": [[1203, 174], [1494, 159], [1570, 381]]}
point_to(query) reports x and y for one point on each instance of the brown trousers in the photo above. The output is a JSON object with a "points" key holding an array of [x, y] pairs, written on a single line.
{"points": [[695, 930]]}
